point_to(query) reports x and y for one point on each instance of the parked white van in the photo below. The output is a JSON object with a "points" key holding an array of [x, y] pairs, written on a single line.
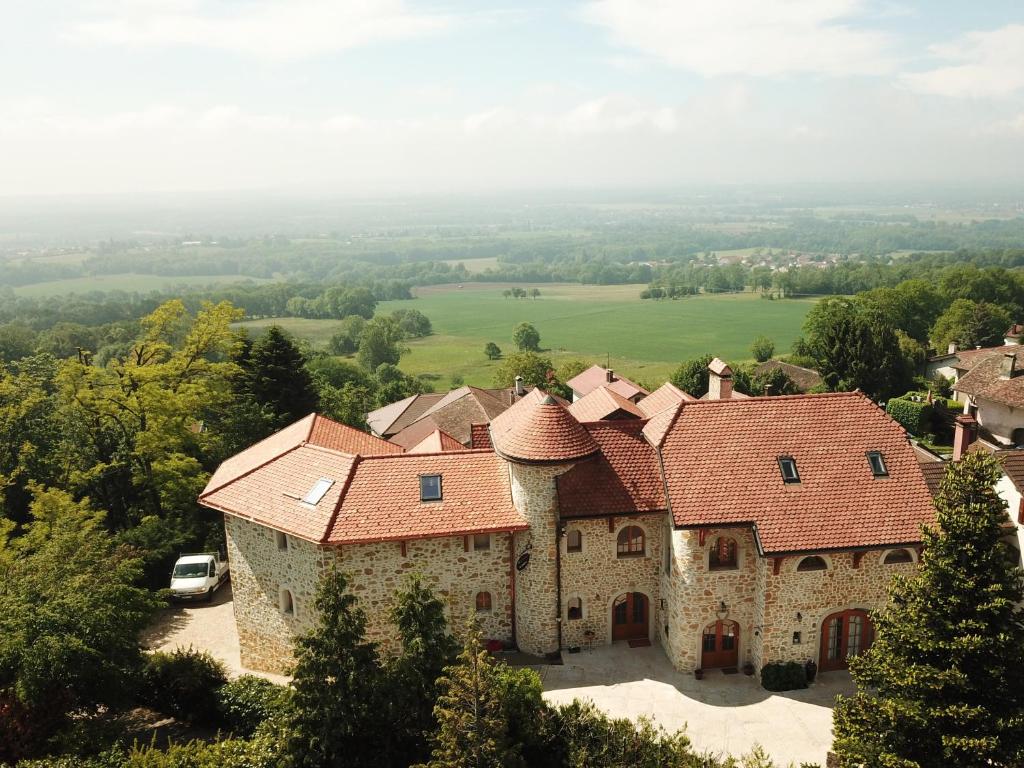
{"points": [[197, 576]]}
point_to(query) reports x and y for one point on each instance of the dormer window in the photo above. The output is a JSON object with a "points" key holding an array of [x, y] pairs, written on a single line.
{"points": [[787, 465], [877, 463], [430, 487]]}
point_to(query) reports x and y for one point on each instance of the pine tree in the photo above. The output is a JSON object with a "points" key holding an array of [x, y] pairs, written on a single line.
{"points": [[472, 731], [335, 718], [277, 377], [943, 683]]}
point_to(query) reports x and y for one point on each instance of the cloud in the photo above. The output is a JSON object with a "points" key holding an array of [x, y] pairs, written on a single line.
{"points": [[981, 64], [761, 38], [276, 29]]}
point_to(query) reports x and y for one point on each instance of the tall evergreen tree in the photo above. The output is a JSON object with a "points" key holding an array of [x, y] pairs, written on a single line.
{"points": [[277, 377], [943, 683], [337, 681]]}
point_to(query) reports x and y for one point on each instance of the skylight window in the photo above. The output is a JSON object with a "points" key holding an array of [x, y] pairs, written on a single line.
{"points": [[877, 463], [787, 465], [430, 487], [320, 487]]}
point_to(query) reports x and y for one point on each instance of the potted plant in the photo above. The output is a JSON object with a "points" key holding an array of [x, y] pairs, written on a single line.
{"points": [[811, 669], [699, 674], [748, 669]]}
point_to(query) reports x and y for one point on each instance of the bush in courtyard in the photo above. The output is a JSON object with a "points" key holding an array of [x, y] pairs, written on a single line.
{"points": [[783, 676], [184, 684], [247, 702]]}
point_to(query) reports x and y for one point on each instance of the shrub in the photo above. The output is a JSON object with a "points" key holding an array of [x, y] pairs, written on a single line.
{"points": [[783, 676], [247, 702], [260, 752], [183, 684], [915, 417]]}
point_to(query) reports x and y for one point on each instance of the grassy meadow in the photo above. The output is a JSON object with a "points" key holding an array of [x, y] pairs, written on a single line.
{"points": [[644, 340]]}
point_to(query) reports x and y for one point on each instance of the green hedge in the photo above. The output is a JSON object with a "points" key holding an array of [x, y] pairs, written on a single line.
{"points": [[783, 676], [184, 684], [914, 417]]}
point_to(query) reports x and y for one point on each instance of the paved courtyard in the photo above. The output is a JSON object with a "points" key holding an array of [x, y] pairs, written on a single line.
{"points": [[726, 714]]}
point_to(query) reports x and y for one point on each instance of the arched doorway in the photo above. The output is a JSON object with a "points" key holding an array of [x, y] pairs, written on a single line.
{"points": [[720, 644], [844, 634], [629, 616]]}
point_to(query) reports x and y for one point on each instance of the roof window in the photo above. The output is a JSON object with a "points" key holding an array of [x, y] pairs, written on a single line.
{"points": [[877, 463], [430, 487], [320, 487], [787, 465]]}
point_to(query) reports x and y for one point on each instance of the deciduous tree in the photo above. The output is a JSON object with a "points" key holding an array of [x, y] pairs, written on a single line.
{"points": [[526, 337]]}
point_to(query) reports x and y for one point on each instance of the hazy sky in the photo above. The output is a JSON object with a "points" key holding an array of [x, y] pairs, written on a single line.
{"points": [[350, 96]]}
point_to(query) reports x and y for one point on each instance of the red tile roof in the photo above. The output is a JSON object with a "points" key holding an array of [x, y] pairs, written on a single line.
{"points": [[480, 436], [1012, 462], [382, 502], [454, 413], [804, 378], [665, 396], [539, 429], [721, 467], [395, 417], [603, 403], [595, 376], [933, 472], [437, 442], [720, 367], [340, 437], [984, 379], [623, 479]]}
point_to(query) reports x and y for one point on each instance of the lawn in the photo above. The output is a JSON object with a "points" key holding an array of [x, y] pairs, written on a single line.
{"points": [[128, 282], [641, 339]]}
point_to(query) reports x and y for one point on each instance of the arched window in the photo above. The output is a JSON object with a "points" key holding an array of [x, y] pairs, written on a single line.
{"points": [[287, 602], [574, 541], [897, 556], [631, 542], [723, 554], [483, 602], [812, 563], [575, 608]]}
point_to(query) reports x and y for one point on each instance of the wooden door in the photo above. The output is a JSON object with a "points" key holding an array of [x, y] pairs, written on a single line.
{"points": [[720, 644], [629, 616], [844, 634]]}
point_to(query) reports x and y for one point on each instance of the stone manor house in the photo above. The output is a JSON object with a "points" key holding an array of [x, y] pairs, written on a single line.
{"points": [[728, 530]]}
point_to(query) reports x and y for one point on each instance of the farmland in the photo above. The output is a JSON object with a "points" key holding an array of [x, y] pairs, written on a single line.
{"points": [[130, 283], [642, 339]]}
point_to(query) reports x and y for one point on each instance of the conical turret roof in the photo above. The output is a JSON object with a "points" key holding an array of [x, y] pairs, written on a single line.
{"points": [[537, 429]]}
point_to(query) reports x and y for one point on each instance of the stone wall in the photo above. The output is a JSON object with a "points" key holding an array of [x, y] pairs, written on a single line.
{"points": [[259, 571], [694, 595], [597, 575]]}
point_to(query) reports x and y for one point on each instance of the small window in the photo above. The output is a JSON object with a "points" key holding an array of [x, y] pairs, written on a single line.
{"points": [[281, 539], [483, 602], [574, 541], [287, 603], [481, 542], [877, 463], [897, 556], [723, 554], [575, 608], [813, 563], [630, 542], [320, 487], [787, 464], [430, 487]]}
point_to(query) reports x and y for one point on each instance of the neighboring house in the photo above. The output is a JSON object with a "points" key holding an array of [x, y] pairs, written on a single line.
{"points": [[603, 404], [595, 376], [957, 362], [728, 531], [992, 391], [805, 379], [668, 395]]}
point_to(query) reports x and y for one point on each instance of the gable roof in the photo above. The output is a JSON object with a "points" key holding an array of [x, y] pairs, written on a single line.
{"points": [[720, 459], [595, 376], [933, 472], [394, 417], [437, 442], [1012, 462], [623, 478], [454, 413], [665, 396], [984, 380], [804, 378], [604, 403], [966, 359], [538, 429]]}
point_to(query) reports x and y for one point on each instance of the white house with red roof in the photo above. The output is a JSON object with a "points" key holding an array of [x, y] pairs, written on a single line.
{"points": [[728, 531]]}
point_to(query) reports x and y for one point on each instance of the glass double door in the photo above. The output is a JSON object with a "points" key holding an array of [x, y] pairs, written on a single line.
{"points": [[844, 634]]}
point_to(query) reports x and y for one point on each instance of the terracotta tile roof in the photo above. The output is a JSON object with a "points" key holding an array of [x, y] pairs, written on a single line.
{"points": [[481, 436], [720, 367], [392, 418], [665, 396], [933, 472], [603, 403], [454, 412], [733, 395], [382, 502], [623, 478], [721, 467], [966, 359], [1012, 462], [340, 437], [657, 427], [595, 376], [437, 442], [984, 379], [1015, 331], [804, 378], [539, 429]]}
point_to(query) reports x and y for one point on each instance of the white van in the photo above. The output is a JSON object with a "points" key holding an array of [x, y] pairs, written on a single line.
{"points": [[197, 576]]}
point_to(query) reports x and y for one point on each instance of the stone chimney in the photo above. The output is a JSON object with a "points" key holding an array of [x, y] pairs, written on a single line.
{"points": [[719, 380], [1013, 334], [609, 375], [952, 348], [1008, 366], [964, 433], [520, 390]]}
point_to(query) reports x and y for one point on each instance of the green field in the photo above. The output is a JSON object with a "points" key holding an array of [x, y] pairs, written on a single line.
{"points": [[128, 282], [643, 339]]}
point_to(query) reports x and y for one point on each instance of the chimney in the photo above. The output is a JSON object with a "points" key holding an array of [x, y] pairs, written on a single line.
{"points": [[769, 390], [964, 433], [1008, 366], [520, 391], [952, 348], [719, 380], [609, 375]]}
